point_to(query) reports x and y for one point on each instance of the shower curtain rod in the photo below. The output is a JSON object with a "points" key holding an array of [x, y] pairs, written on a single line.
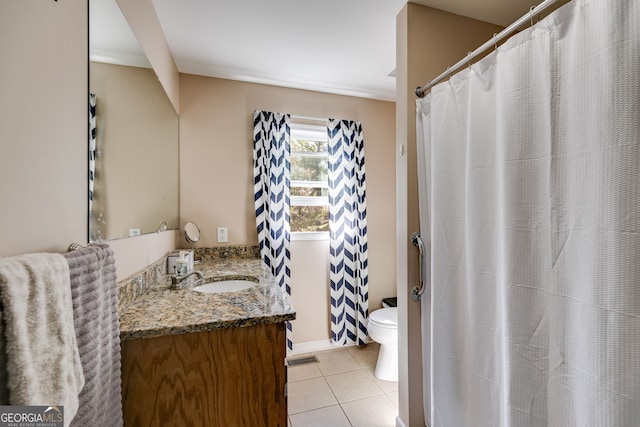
{"points": [[535, 10]]}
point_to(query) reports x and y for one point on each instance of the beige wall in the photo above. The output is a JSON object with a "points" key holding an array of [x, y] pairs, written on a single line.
{"points": [[43, 125], [428, 41], [310, 292], [216, 177]]}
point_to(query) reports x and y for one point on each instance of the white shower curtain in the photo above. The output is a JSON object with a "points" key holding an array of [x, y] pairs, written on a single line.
{"points": [[530, 202]]}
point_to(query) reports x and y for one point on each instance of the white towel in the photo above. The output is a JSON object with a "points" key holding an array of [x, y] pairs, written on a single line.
{"points": [[42, 360]]}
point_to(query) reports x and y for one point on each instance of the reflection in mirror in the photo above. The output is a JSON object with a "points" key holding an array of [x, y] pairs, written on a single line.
{"points": [[135, 184], [162, 227], [191, 233]]}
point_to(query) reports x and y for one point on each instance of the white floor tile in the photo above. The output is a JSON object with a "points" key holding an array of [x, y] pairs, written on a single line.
{"points": [[353, 385], [337, 361], [345, 376], [303, 372], [386, 386], [309, 394], [370, 370], [365, 355], [394, 397], [375, 411], [331, 416]]}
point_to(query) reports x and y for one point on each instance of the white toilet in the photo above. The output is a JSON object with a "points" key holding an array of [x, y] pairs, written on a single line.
{"points": [[383, 329]]}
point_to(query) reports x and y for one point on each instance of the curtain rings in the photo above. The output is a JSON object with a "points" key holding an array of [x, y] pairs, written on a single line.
{"points": [[448, 74], [532, 13], [495, 41], [469, 58]]}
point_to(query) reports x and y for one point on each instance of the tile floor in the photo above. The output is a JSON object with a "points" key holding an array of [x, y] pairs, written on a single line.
{"points": [[341, 391]]}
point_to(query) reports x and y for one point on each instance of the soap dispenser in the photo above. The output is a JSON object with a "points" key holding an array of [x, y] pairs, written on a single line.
{"points": [[182, 264]]}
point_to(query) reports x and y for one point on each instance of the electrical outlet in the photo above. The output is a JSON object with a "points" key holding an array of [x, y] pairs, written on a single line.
{"points": [[223, 235], [134, 232]]}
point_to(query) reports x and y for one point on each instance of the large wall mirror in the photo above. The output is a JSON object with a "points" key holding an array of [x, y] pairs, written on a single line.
{"points": [[135, 185]]}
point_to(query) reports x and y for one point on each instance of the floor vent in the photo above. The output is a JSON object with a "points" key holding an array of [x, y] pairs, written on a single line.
{"points": [[302, 361]]}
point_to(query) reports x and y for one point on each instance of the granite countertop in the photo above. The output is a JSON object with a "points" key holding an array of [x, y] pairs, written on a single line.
{"points": [[162, 311]]}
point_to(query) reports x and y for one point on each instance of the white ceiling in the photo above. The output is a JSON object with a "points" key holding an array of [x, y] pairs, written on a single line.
{"points": [[110, 37], [335, 46]]}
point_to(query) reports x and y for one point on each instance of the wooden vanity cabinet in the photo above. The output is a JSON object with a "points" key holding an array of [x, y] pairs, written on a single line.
{"points": [[233, 377]]}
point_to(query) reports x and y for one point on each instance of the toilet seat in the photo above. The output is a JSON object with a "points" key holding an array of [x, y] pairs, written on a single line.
{"points": [[385, 318]]}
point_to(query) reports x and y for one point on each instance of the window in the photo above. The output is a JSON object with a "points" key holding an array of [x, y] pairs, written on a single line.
{"points": [[309, 179]]}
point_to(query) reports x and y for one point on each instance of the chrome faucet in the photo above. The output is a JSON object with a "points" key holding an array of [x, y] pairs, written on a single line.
{"points": [[177, 279]]}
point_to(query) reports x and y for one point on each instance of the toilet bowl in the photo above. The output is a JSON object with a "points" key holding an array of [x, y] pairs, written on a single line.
{"points": [[383, 329]]}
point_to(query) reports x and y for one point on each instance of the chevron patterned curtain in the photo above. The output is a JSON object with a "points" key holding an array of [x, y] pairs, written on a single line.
{"points": [[348, 233], [271, 194], [92, 147]]}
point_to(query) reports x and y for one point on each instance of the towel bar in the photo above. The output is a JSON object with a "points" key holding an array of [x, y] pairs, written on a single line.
{"points": [[74, 246]]}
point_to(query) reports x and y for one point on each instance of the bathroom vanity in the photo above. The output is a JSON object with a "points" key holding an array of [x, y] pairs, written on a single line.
{"points": [[190, 358]]}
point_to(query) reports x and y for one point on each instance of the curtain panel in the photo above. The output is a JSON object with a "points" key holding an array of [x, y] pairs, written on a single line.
{"points": [[271, 185], [349, 264]]}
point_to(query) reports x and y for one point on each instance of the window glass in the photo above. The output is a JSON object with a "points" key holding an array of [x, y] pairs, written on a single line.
{"points": [[309, 179], [309, 218]]}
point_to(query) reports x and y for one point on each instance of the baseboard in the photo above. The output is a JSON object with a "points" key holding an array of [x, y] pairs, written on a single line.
{"points": [[313, 346], [399, 422]]}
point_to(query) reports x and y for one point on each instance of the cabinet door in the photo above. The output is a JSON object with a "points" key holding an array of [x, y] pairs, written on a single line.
{"points": [[227, 377]]}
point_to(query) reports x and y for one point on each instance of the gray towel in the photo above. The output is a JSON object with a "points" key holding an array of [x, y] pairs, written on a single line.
{"points": [[41, 360], [95, 304]]}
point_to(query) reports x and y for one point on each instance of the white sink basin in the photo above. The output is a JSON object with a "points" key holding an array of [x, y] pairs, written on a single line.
{"points": [[224, 286]]}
